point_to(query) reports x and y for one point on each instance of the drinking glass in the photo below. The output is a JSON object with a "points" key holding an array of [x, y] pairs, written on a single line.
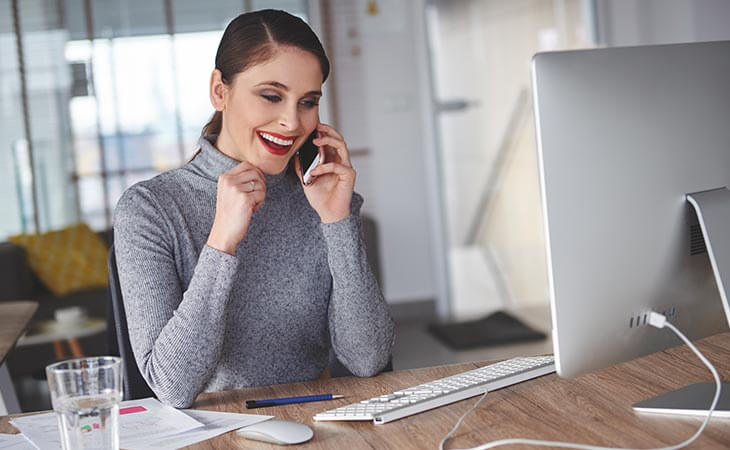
{"points": [[85, 394]]}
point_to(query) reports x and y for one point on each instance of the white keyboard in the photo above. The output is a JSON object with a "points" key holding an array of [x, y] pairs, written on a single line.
{"points": [[423, 397]]}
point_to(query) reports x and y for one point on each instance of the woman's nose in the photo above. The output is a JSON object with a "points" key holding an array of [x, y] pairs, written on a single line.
{"points": [[289, 118]]}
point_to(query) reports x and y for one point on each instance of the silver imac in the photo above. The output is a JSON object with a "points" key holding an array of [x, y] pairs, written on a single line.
{"points": [[634, 154]]}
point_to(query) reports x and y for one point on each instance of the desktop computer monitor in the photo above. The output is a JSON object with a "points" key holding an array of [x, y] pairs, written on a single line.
{"points": [[624, 136]]}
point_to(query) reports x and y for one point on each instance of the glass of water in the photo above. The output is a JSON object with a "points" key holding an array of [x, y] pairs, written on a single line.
{"points": [[85, 394]]}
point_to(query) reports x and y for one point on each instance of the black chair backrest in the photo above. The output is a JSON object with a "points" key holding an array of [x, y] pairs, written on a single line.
{"points": [[135, 387]]}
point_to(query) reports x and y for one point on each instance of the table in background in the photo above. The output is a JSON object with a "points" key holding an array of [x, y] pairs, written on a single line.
{"points": [[54, 332], [592, 409], [14, 318]]}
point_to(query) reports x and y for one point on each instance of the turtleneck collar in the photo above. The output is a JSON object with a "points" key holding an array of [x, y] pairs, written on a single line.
{"points": [[212, 162]]}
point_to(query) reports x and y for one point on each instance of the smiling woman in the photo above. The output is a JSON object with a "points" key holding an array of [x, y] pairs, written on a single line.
{"points": [[233, 272]]}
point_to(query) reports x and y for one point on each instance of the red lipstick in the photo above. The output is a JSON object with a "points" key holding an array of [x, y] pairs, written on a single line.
{"points": [[273, 147]]}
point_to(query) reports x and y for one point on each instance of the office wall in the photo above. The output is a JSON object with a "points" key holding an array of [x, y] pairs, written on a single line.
{"points": [[482, 53], [644, 22], [381, 75]]}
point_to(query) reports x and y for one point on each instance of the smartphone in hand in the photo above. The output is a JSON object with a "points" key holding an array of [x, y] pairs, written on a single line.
{"points": [[308, 157]]}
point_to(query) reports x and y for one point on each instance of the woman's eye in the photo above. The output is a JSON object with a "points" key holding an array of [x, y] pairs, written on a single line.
{"points": [[272, 98], [309, 103]]}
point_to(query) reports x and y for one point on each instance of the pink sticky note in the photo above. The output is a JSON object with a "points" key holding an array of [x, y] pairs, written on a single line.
{"points": [[131, 409]]}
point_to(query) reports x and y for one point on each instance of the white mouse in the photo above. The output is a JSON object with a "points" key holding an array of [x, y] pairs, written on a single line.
{"points": [[277, 432]]}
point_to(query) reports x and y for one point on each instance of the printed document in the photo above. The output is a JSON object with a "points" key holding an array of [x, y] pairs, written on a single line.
{"points": [[215, 423], [139, 420], [15, 442]]}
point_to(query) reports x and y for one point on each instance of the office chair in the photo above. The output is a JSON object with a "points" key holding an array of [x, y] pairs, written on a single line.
{"points": [[135, 386]]}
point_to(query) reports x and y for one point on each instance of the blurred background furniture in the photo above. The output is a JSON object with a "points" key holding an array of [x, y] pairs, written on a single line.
{"points": [[19, 281], [44, 341], [56, 333]]}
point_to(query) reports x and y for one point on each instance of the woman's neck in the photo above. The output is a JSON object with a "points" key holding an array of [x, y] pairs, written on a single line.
{"points": [[226, 146]]}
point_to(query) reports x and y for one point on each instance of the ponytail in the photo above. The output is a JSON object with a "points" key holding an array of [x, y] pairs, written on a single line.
{"points": [[214, 125]]}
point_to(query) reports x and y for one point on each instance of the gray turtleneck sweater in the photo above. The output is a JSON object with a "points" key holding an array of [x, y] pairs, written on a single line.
{"points": [[203, 320]]}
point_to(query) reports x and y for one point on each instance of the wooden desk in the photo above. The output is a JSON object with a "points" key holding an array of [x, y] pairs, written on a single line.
{"points": [[593, 409], [14, 318]]}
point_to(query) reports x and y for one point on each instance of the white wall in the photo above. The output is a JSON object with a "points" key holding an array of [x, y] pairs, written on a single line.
{"points": [[482, 52], [644, 22], [383, 112], [711, 20]]}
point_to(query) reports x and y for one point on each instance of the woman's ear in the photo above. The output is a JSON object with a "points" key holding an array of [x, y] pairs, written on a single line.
{"points": [[217, 90]]}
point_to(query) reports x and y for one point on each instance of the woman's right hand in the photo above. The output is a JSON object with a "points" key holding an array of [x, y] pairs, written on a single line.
{"points": [[241, 192]]}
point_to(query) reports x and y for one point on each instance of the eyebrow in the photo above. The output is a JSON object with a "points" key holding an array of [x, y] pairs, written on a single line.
{"points": [[285, 87]]}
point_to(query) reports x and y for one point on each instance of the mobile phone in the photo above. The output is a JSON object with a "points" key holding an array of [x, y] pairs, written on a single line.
{"points": [[308, 157]]}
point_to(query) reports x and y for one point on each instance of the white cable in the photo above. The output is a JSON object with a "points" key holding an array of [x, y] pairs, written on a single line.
{"points": [[655, 319], [453, 430]]}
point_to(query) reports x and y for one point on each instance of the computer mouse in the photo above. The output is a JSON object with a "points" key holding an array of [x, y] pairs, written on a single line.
{"points": [[277, 432]]}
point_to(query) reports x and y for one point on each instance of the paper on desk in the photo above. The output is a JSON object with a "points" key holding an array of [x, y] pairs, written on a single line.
{"points": [[41, 430], [139, 420], [215, 423], [15, 442]]}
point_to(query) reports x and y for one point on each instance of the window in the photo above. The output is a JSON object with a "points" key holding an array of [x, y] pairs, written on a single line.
{"points": [[116, 93]]}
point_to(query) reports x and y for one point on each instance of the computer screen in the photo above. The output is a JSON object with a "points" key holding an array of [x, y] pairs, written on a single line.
{"points": [[624, 135]]}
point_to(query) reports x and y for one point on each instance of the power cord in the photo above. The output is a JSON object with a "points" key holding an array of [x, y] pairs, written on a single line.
{"points": [[453, 430], [656, 320]]}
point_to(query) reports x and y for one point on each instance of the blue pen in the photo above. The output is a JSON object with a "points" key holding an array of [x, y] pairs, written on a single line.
{"points": [[250, 404]]}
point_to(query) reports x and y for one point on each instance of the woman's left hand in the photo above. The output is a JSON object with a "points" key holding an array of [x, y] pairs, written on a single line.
{"points": [[330, 191]]}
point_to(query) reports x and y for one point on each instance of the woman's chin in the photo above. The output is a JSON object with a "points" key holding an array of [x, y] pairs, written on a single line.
{"points": [[273, 169]]}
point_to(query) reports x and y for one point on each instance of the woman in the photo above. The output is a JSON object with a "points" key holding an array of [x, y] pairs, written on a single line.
{"points": [[232, 272]]}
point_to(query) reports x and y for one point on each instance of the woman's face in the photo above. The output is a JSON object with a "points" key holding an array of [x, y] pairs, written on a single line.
{"points": [[270, 109]]}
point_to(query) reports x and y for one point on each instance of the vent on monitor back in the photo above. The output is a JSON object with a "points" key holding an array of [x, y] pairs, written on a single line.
{"points": [[641, 319], [696, 240]]}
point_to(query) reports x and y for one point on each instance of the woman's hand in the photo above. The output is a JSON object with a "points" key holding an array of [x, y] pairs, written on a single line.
{"points": [[241, 192], [330, 191]]}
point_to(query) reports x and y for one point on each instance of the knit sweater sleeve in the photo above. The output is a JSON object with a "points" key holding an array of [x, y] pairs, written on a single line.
{"points": [[176, 333], [361, 328]]}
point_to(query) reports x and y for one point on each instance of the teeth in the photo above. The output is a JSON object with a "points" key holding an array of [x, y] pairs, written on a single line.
{"points": [[276, 140]]}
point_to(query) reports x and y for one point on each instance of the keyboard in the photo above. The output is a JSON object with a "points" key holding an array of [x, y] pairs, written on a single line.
{"points": [[417, 399]]}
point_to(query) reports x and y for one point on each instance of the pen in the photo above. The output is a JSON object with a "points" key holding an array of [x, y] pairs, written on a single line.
{"points": [[250, 404]]}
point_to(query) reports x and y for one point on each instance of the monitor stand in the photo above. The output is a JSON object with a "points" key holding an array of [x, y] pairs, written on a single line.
{"points": [[713, 211], [693, 400]]}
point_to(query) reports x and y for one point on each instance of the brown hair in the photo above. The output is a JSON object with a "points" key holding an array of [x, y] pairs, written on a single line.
{"points": [[252, 38]]}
